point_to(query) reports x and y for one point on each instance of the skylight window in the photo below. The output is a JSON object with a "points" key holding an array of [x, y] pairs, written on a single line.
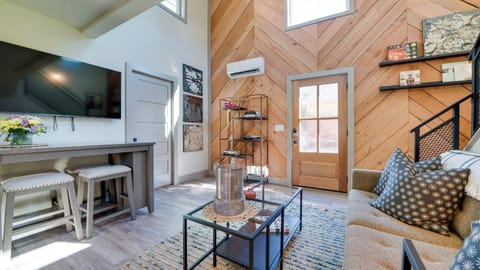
{"points": [[299, 13], [175, 7]]}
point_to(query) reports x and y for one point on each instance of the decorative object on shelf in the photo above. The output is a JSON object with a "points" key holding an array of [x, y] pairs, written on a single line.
{"points": [[20, 128], [402, 51], [251, 137], [451, 33], [192, 109], [230, 105], [192, 138], [229, 199], [251, 114], [411, 77], [250, 193], [192, 80], [457, 71], [231, 152]]}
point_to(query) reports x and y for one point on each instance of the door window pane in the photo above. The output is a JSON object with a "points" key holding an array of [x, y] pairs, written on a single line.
{"points": [[308, 102], [328, 100], [328, 136], [308, 136]]}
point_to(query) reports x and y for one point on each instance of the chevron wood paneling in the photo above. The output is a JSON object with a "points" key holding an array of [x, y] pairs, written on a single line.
{"points": [[248, 28]]}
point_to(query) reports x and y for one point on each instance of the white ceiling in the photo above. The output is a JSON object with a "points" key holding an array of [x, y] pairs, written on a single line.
{"points": [[91, 17]]}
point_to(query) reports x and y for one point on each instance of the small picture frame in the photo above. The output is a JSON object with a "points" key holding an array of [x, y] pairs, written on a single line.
{"points": [[402, 51], [192, 80], [192, 109], [410, 77], [192, 138]]}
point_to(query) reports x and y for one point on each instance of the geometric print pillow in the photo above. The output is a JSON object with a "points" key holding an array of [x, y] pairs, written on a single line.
{"points": [[427, 200], [468, 257], [428, 165], [398, 158]]}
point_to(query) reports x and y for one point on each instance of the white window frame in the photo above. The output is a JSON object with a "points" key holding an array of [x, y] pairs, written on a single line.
{"points": [[351, 10], [181, 12]]}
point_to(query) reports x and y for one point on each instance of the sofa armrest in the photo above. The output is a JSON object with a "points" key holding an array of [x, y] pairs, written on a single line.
{"points": [[410, 257], [364, 179]]}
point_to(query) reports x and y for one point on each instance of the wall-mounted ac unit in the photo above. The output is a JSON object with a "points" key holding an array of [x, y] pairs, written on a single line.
{"points": [[246, 68]]}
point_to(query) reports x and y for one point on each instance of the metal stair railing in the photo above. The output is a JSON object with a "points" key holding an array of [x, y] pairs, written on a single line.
{"points": [[440, 138]]}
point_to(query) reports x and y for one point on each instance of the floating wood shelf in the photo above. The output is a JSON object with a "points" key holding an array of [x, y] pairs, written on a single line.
{"points": [[423, 58], [426, 84]]}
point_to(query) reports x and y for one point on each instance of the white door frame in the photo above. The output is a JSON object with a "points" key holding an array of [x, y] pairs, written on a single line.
{"points": [[130, 68], [348, 71]]}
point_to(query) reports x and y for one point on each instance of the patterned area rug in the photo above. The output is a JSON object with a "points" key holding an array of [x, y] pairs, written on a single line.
{"points": [[319, 245]]}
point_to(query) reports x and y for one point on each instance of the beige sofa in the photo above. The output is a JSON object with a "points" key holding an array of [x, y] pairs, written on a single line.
{"points": [[374, 239]]}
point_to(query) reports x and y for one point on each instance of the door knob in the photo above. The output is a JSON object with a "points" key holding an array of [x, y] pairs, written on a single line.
{"points": [[134, 139]]}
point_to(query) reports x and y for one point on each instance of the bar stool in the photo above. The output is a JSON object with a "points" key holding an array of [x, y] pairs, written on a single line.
{"points": [[13, 228], [97, 174]]}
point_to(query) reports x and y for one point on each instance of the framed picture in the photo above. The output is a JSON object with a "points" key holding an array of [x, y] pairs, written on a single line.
{"points": [[192, 138], [192, 80], [457, 71], [192, 109], [411, 77], [402, 51], [451, 33]]}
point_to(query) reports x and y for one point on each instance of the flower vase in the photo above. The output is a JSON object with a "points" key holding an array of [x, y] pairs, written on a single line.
{"points": [[20, 138]]}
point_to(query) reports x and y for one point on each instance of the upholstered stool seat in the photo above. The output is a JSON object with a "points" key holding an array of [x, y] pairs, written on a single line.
{"points": [[93, 175], [13, 228]]}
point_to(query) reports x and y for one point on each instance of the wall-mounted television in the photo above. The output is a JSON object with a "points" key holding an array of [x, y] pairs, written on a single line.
{"points": [[35, 82]]}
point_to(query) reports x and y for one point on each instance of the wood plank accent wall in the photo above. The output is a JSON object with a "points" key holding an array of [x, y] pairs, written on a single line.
{"points": [[242, 29]]}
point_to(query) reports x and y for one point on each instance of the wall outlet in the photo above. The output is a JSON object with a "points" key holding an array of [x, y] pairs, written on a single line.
{"points": [[279, 128]]}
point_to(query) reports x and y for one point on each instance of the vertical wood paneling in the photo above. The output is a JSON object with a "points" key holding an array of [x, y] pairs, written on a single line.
{"points": [[249, 28]]}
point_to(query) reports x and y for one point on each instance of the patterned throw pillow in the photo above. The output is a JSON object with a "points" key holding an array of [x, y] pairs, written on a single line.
{"points": [[398, 158], [428, 200], [464, 159], [468, 257], [428, 165]]}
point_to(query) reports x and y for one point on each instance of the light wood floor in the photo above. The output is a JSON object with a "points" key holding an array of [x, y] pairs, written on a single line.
{"points": [[118, 240]]}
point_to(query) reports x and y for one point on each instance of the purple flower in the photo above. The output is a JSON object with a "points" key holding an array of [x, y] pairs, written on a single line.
{"points": [[33, 129], [24, 122], [13, 116]]}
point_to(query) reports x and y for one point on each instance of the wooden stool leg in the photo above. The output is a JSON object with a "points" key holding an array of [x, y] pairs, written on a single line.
{"points": [[81, 187], [76, 213], [66, 208], [131, 196], [118, 193], [90, 202], [8, 227]]}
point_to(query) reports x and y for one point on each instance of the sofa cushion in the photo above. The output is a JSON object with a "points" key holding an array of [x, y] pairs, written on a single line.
{"points": [[366, 248], [470, 211], [397, 165], [428, 200], [359, 212], [462, 159], [468, 257]]}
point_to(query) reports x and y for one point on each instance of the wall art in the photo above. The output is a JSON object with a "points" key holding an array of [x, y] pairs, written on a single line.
{"points": [[192, 80]]}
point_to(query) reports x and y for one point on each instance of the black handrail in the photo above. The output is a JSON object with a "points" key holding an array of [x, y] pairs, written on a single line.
{"points": [[455, 120]]}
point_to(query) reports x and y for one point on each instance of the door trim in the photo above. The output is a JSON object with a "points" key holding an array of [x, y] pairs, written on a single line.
{"points": [[348, 71], [130, 68]]}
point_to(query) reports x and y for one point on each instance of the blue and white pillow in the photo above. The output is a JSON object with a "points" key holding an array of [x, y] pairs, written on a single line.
{"points": [[463, 159], [468, 257]]}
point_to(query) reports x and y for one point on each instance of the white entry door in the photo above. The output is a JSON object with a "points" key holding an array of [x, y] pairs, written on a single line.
{"points": [[148, 118]]}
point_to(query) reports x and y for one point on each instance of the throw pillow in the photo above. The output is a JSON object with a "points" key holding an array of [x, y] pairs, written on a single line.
{"points": [[428, 200], [398, 158], [468, 257], [428, 165], [464, 159]]}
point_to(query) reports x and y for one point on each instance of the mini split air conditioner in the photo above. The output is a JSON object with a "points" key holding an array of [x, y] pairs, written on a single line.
{"points": [[246, 68]]}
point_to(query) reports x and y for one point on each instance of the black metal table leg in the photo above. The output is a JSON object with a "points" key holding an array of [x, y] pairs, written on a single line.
{"points": [[250, 254], [267, 248], [215, 246], [185, 263]]}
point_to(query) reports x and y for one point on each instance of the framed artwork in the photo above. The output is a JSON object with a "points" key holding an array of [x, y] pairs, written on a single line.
{"points": [[192, 138], [411, 77], [192, 80], [451, 33], [192, 109]]}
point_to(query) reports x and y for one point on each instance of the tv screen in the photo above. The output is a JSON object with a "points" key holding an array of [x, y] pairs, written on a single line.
{"points": [[34, 82]]}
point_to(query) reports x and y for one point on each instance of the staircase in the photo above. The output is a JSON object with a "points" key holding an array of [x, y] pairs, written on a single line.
{"points": [[429, 140]]}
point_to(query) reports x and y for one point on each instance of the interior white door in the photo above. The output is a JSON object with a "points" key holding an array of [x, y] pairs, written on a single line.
{"points": [[148, 118]]}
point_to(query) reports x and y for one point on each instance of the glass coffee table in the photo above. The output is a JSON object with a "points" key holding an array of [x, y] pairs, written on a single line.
{"points": [[255, 239]]}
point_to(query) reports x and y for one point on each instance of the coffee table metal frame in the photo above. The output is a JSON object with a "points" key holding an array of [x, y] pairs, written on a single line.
{"points": [[263, 228]]}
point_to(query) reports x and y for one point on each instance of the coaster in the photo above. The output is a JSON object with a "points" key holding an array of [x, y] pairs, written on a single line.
{"points": [[250, 211]]}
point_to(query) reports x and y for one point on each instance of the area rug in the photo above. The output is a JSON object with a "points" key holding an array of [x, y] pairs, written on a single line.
{"points": [[319, 245]]}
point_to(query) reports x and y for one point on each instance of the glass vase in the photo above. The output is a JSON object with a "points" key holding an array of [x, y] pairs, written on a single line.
{"points": [[20, 138]]}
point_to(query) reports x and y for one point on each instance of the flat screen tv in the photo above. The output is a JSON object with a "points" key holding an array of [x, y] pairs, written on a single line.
{"points": [[34, 82]]}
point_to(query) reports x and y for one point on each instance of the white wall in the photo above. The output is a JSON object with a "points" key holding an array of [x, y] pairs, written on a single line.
{"points": [[154, 40]]}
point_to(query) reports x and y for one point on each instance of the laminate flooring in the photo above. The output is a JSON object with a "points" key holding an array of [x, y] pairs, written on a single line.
{"points": [[120, 239]]}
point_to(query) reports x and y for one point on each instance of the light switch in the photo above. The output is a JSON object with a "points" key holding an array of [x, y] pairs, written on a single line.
{"points": [[279, 128]]}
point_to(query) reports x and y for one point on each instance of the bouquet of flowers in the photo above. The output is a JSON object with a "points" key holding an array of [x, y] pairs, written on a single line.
{"points": [[19, 128]]}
